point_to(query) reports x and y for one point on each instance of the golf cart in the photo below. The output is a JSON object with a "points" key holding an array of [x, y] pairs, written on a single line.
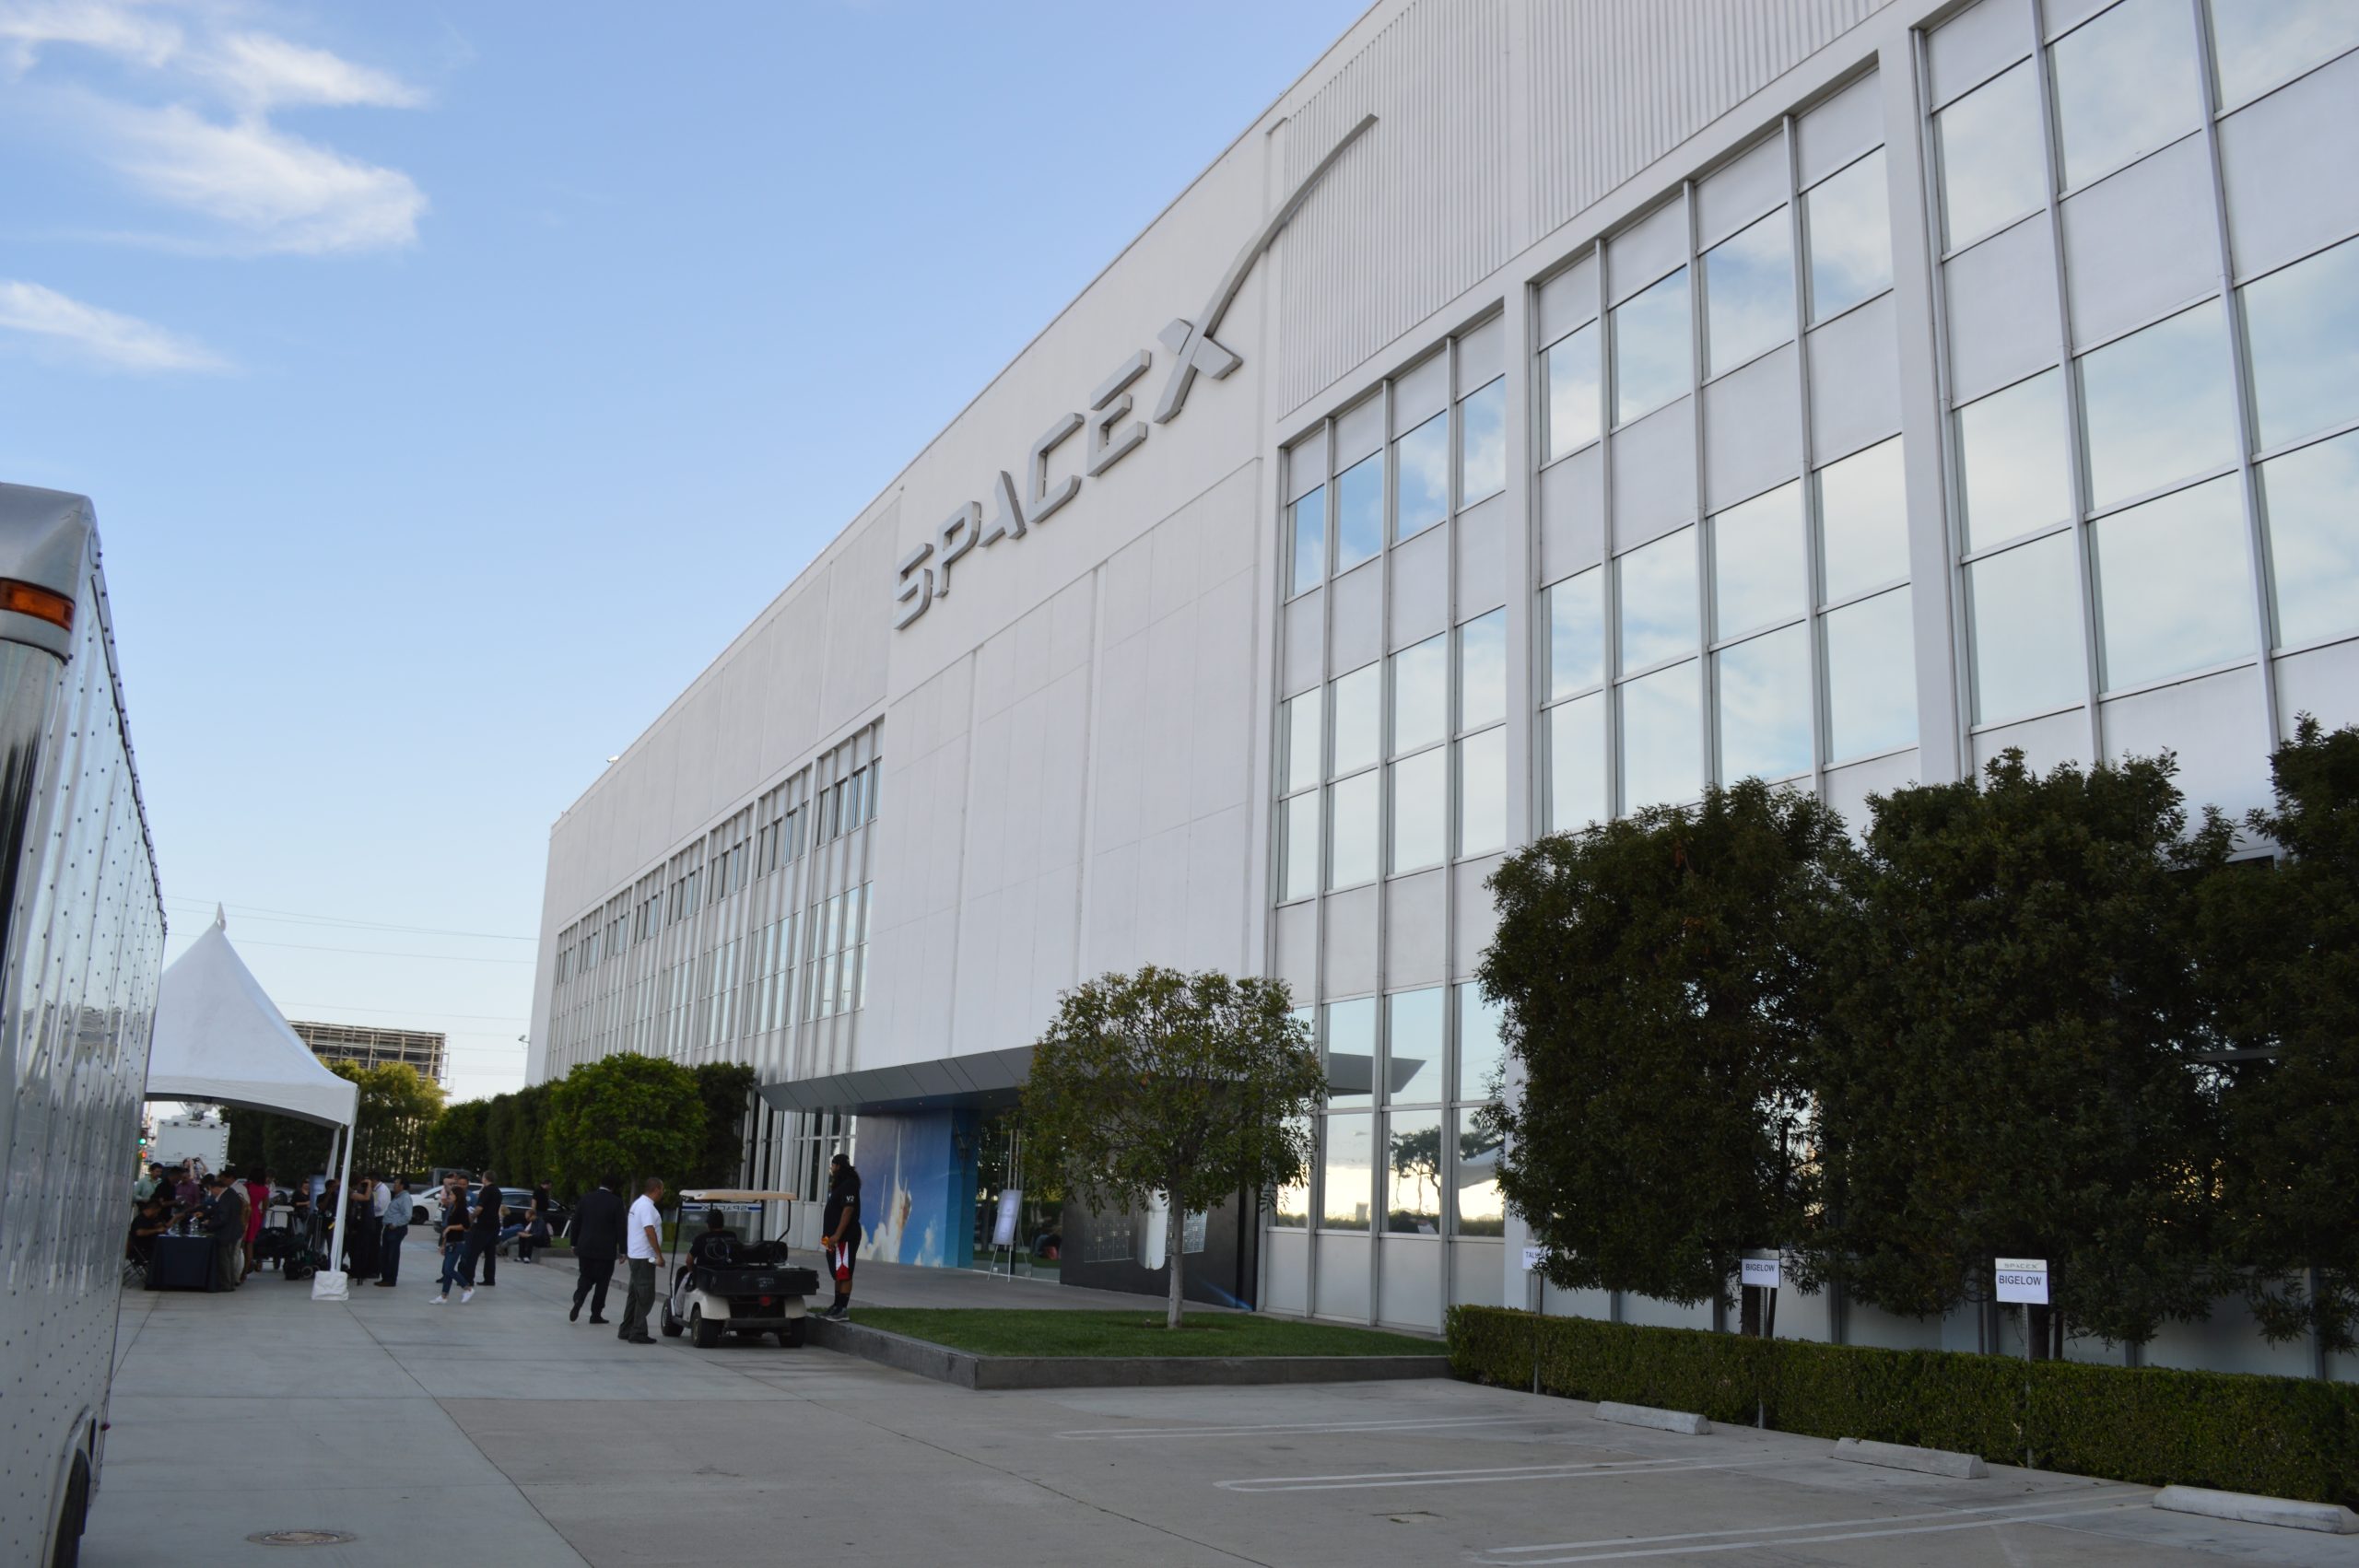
{"points": [[742, 1284]]}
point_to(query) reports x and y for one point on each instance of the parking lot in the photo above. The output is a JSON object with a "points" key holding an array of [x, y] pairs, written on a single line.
{"points": [[500, 1433]]}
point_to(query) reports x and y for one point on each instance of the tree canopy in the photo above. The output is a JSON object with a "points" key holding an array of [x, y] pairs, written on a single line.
{"points": [[2010, 1066], [1659, 983], [1194, 1087], [628, 1115]]}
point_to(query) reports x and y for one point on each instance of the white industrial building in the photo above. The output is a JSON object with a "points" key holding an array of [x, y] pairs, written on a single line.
{"points": [[1643, 392]]}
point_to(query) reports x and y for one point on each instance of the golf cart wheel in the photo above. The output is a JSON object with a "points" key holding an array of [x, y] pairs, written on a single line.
{"points": [[671, 1324], [791, 1336], [707, 1331]]}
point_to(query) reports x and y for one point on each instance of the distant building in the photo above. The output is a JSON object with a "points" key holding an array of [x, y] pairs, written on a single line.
{"points": [[373, 1047]]}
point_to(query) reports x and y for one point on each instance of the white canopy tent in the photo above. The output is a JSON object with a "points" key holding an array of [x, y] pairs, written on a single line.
{"points": [[219, 1037]]}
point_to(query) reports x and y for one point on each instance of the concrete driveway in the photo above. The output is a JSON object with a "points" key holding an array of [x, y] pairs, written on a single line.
{"points": [[497, 1432]]}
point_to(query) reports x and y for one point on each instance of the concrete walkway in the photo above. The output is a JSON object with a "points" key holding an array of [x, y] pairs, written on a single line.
{"points": [[498, 1434]]}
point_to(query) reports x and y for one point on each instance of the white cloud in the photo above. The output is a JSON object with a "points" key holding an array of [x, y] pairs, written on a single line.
{"points": [[261, 71], [111, 340], [203, 140], [129, 31], [285, 193]]}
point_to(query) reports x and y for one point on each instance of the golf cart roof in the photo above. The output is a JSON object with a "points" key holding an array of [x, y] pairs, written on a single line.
{"points": [[734, 1195]]}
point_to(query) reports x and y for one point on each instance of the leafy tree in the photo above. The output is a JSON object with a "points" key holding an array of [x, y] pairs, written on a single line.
{"points": [[2010, 1064], [2281, 951], [457, 1137], [1416, 1155], [1658, 985], [1193, 1087], [634, 1115], [396, 1109], [724, 1087]]}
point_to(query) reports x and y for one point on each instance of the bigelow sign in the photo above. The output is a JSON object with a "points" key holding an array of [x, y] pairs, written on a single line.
{"points": [[1109, 434]]}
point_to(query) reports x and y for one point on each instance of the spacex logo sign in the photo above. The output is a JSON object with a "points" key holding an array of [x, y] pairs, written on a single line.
{"points": [[1020, 503]]}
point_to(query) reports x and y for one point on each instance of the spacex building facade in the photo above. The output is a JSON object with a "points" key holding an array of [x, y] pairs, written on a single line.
{"points": [[1546, 408]]}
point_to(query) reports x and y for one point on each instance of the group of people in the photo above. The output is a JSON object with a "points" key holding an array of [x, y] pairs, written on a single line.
{"points": [[476, 1218]]}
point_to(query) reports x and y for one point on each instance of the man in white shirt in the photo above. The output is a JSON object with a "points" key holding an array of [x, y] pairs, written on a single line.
{"points": [[643, 1236]]}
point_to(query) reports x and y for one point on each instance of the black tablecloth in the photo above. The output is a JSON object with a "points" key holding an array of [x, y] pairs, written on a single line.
{"points": [[181, 1263]]}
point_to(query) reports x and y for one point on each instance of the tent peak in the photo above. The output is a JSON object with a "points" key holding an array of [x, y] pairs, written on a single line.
{"points": [[220, 920]]}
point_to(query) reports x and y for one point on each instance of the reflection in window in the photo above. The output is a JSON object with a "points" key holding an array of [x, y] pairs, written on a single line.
{"points": [[1992, 168], [2302, 325], [1356, 696], [2025, 604], [1577, 763], [1352, 850], [1863, 521], [1662, 738], [1299, 849], [1759, 572], [1748, 293], [2157, 405], [1870, 677], [1300, 769], [1351, 1052], [1483, 442], [1572, 410], [1651, 355], [2314, 540], [1420, 810], [1479, 1210], [1413, 1172], [1420, 694], [2170, 577], [2125, 84], [1413, 1071], [1482, 792], [1482, 1050], [1359, 512], [1847, 228], [2012, 466], [1577, 633], [1483, 671], [1290, 1204], [1309, 531], [1349, 1176], [1421, 476], [1764, 693], [2262, 42], [1657, 583]]}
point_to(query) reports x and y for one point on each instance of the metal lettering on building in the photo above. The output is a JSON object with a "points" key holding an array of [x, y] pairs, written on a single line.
{"points": [[1017, 504]]}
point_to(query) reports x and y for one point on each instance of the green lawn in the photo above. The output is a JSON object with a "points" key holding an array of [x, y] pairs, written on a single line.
{"points": [[993, 1331]]}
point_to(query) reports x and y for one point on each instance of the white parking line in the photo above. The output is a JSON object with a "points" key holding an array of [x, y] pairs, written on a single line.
{"points": [[1486, 1475], [2020, 1504], [1768, 1537], [1440, 1424]]}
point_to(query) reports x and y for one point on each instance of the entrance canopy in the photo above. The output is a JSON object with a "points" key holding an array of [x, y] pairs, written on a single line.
{"points": [[219, 1037]]}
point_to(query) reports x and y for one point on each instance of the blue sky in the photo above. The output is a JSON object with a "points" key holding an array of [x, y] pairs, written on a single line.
{"points": [[454, 382]]}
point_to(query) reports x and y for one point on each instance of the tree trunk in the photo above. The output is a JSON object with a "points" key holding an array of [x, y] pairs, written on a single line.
{"points": [[1174, 1230]]}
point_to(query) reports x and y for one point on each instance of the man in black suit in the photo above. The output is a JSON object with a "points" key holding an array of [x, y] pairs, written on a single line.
{"points": [[597, 1233]]}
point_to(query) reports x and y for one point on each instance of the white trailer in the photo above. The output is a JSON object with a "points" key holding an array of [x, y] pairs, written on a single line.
{"points": [[81, 953], [182, 1138]]}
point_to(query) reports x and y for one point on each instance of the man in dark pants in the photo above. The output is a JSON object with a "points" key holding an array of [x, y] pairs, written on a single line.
{"points": [[228, 1230], [644, 1242], [483, 1239], [396, 1231], [840, 1229], [597, 1239]]}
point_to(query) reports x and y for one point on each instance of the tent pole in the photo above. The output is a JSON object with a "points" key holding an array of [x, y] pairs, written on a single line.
{"points": [[343, 1206]]}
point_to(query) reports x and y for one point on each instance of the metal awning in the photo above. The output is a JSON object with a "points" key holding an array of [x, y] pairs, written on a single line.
{"points": [[987, 1080]]}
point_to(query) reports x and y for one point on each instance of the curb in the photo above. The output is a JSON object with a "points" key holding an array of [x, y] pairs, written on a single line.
{"points": [[965, 1369], [1904, 1456], [2332, 1519], [1685, 1422]]}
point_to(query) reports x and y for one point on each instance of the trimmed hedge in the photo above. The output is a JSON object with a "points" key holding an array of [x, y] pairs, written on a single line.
{"points": [[2277, 1436]]}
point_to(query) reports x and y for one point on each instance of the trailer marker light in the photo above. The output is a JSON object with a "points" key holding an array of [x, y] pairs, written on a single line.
{"points": [[40, 604]]}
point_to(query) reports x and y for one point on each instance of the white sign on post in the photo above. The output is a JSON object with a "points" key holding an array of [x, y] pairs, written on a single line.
{"points": [[2023, 1280], [1010, 1200], [1760, 1272], [1533, 1257]]}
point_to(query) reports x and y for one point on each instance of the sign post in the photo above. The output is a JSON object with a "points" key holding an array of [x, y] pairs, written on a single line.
{"points": [[1011, 1203], [2024, 1281], [1534, 1259]]}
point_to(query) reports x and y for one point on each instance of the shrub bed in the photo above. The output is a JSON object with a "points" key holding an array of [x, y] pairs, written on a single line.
{"points": [[2277, 1436]]}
